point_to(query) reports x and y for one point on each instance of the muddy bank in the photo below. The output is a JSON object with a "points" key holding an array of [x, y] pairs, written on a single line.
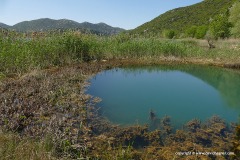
{"points": [[52, 102]]}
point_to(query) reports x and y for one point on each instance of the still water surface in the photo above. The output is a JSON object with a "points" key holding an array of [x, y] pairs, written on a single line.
{"points": [[182, 92]]}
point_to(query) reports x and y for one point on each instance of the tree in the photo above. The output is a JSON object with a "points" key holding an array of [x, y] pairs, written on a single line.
{"points": [[234, 18], [169, 34], [201, 32], [220, 26], [190, 32]]}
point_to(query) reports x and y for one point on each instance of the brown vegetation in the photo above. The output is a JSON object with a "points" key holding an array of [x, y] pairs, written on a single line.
{"points": [[51, 106]]}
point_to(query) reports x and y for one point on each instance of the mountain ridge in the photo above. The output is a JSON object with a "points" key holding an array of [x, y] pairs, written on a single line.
{"points": [[44, 24], [2, 25]]}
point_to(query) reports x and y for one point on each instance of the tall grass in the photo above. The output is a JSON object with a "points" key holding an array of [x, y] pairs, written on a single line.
{"points": [[20, 53], [14, 147]]}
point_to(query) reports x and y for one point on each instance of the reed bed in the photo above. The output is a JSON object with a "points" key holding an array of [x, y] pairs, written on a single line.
{"points": [[21, 52]]}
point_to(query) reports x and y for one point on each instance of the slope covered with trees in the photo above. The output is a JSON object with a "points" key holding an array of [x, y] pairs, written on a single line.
{"points": [[183, 20]]}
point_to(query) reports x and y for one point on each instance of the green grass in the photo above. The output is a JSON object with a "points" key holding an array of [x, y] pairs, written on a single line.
{"points": [[14, 147], [19, 53]]}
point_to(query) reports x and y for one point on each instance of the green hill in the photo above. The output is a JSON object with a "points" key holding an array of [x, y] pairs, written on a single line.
{"points": [[183, 18], [2, 25], [45, 24]]}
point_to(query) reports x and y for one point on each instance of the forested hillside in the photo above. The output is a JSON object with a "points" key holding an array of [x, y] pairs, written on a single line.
{"points": [[181, 19]]}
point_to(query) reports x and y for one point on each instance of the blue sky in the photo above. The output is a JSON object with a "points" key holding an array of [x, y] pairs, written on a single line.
{"points": [[127, 14]]}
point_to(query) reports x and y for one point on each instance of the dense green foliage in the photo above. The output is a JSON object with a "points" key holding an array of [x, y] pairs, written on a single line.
{"points": [[219, 27], [45, 24], [235, 19], [198, 32], [19, 53], [191, 31], [169, 34], [201, 32], [181, 19]]}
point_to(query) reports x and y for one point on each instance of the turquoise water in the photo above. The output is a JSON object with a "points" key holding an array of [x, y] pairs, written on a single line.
{"points": [[182, 92]]}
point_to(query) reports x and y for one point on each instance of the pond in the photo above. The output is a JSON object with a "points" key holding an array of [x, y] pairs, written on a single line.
{"points": [[183, 92]]}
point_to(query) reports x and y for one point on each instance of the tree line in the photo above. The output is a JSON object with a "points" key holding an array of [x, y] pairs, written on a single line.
{"points": [[221, 26]]}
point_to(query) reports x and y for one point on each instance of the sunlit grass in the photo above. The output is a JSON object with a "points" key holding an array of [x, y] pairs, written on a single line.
{"points": [[21, 53], [16, 148]]}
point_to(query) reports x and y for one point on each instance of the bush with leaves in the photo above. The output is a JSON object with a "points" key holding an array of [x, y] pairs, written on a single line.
{"points": [[169, 34], [201, 32], [234, 18], [220, 26], [190, 32]]}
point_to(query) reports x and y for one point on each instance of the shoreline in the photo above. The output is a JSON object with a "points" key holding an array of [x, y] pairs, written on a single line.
{"points": [[53, 100]]}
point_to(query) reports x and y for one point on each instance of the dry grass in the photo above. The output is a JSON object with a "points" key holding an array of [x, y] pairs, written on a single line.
{"points": [[15, 148]]}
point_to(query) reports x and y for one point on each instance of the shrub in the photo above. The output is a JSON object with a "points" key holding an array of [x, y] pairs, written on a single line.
{"points": [[220, 27], [201, 32], [169, 34], [234, 18], [190, 32]]}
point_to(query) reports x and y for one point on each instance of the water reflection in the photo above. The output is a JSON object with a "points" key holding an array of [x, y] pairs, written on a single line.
{"points": [[226, 81], [183, 92]]}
